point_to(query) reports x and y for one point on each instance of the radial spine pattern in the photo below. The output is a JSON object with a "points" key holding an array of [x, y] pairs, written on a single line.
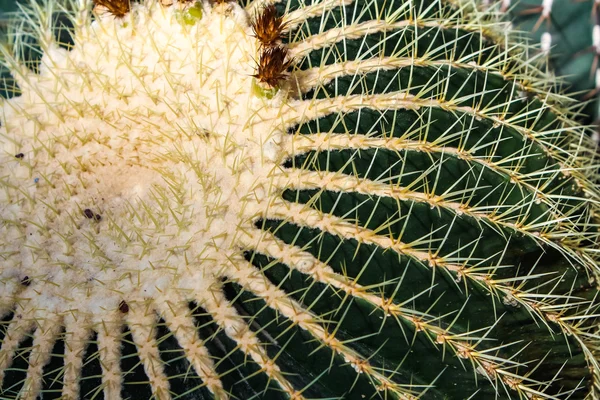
{"points": [[343, 199]]}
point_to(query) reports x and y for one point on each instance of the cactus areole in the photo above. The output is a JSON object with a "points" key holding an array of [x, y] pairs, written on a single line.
{"points": [[336, 200]]}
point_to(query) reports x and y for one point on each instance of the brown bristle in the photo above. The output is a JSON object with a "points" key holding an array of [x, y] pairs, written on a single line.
{"points": [[123, 307], [118, 8], [273, 65], [268, 26]]}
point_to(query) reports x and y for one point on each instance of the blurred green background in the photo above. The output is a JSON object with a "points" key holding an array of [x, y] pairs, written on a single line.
{"points": [[6, 6], [574, 55]]}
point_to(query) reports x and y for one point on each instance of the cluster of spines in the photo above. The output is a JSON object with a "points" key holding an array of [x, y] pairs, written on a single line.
{"points": [[463, 345], [118, 8], [273, 60]]}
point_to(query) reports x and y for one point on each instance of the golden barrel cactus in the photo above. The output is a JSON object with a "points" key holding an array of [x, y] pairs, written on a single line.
{"points": [[349, 199]]}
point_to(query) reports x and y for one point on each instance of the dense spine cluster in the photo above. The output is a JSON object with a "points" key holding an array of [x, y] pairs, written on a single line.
{"points": [[274, 60], [118, 8], [342, 199]]}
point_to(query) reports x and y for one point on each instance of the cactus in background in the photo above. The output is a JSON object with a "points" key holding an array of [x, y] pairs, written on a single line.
{"points": [[568, 32], [368, 199], [6, 8]]}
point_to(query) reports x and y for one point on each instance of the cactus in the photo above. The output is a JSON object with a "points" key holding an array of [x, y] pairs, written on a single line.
{"points": [[568, 33], [350, 200]]}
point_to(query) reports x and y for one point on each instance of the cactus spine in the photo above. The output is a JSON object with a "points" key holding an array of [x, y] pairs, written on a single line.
{"points": [[374, 199]]}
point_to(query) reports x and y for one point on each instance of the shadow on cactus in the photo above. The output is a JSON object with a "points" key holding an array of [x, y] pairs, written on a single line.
{"points": [[379, 200]]}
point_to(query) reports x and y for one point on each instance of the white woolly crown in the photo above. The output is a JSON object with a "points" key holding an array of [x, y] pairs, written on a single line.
{"points": [[148, 155]]}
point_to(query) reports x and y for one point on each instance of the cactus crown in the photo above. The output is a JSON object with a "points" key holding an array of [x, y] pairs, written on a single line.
{"points": [[399, 208]]}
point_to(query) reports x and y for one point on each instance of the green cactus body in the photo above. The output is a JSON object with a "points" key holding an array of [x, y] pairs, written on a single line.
{"points": [[407, 213]]}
